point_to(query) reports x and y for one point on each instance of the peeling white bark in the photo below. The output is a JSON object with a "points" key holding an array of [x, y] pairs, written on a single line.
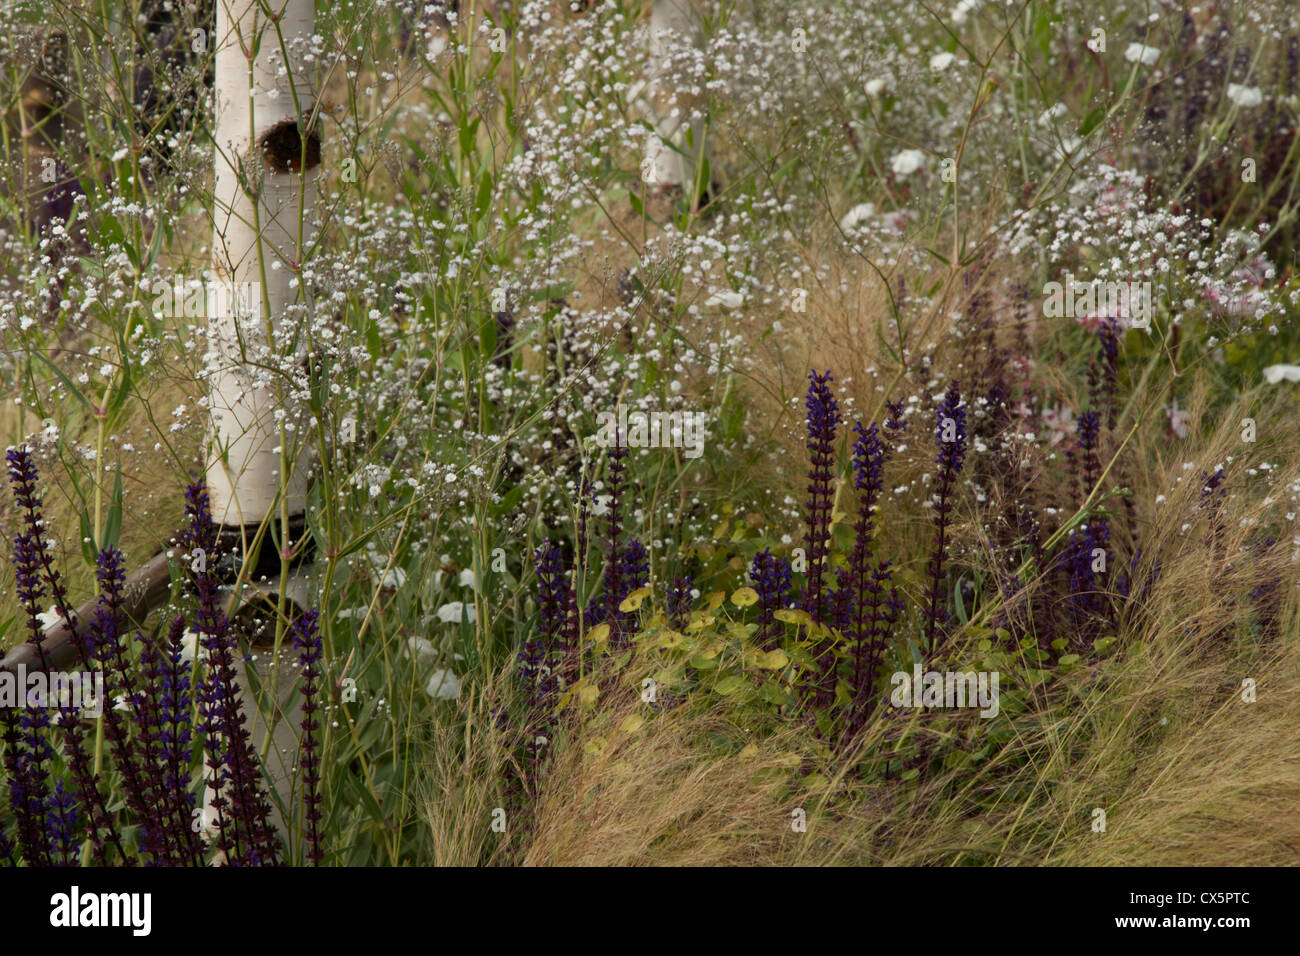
{"points": [[671, 22], [256, 247], [263, 205]]}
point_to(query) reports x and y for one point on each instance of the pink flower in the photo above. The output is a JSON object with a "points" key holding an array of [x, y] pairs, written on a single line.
{"points": [[1178, 419], [1059, 421], [897, 221], [1092, 321]]}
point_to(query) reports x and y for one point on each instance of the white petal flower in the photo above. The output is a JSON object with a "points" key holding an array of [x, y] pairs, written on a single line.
{"points": [[393, 578], [1245, 96], [941, 61], [857, 215], [1137, 52], [50, 618], [443, 685], [907, 162], [877, 86], [1275, 373], [189, 645], [451, 613], [422, 650], [728, 300], [467, 579]]}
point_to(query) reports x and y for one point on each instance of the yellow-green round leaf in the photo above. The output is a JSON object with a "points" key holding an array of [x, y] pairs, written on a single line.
{"points": [[633, 601], [598, 634], [729, 685], [772, 660], [792, 616], [632, 723], [744, 597], [671, 640]]}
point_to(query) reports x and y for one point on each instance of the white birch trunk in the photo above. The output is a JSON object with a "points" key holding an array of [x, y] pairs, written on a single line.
{"points": [[263, 206], [671, 23], [255, 247]]}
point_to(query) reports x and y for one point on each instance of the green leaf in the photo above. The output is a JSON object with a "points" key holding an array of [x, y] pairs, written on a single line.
{"points": [[1091, 121], [484, 198], [67, 383], [87, 539], [113, 523], [728, 685], [774, 693]]}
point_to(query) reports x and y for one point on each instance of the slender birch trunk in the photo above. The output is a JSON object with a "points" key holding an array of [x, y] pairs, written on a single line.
{"points": [[262, 205], [266, 163], [671, 21]]}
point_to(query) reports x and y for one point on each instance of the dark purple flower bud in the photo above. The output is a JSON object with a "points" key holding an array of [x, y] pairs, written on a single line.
{"points": [[679, 601], [822, 420], [635, 570], [950, 430], [307, 641], [771, 576], [61, 818]]}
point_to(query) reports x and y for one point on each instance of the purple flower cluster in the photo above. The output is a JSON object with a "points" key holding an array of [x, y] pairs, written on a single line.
{"points": [[151, 740], [245, 833], [950, 431], [678, 601], [822, 420], [771, 576], [307, 641], [542, 655]]}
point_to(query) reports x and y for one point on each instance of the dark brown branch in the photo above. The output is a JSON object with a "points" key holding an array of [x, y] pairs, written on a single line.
{"points": [[145, 588]]}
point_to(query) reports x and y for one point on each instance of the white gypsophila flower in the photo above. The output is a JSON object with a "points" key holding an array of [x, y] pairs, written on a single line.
{"points": [[1052, 113], [907, 162], [941, 61], [1245, 96], [961, 12], [443, 685], [877, 86], [466, 579], [1140, 53]]}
